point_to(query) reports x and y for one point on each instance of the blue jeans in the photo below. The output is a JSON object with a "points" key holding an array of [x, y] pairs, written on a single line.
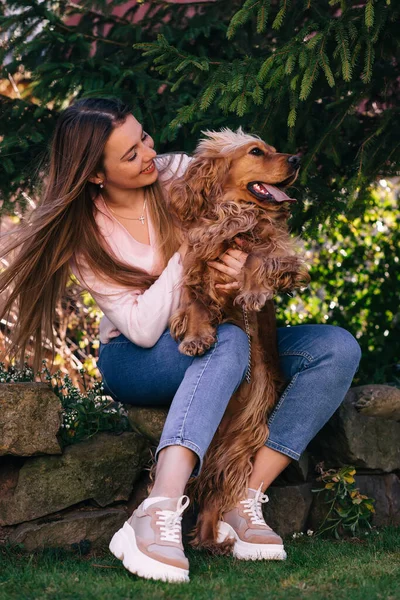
{"points": [[317, 361]]}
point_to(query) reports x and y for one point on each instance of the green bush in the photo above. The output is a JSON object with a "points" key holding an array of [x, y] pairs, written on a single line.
{"points": [[347, 511], [355, 283]]}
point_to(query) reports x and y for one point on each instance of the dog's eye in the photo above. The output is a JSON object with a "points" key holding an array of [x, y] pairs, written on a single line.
{"points": [[256, 152]]}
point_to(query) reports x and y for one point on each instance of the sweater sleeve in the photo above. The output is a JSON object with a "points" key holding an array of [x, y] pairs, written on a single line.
{"points": [[172, 166], [141, 316]]}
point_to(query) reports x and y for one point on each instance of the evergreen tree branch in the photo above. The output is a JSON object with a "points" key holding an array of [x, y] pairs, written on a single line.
{"points": [[94, 38]]}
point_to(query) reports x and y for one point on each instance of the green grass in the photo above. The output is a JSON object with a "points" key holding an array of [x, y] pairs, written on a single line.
{"points": [[316, 568]]}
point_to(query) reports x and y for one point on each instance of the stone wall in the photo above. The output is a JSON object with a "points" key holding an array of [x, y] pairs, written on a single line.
{"points": [[83, 493]]}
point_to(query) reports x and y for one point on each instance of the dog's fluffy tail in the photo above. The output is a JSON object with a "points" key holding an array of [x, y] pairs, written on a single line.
{"points": [[228, 462], [205, 533]]}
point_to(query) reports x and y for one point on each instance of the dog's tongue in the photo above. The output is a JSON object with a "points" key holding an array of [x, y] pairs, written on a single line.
{"points": [[278, 194]]}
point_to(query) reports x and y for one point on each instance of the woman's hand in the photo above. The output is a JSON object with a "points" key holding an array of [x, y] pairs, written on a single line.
{"points": [[232, 264]]}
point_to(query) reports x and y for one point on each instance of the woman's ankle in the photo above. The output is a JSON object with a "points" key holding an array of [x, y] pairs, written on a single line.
{"points": [[166, 492], [174, 467]]}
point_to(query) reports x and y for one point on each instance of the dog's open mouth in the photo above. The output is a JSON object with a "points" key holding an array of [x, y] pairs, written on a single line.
{"points": [[268, 193]]}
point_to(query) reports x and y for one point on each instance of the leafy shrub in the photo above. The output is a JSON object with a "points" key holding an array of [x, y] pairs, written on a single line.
{"points": [[355, 283], [347, 510]]}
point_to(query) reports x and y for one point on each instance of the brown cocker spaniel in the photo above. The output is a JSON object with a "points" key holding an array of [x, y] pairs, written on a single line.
{"points": [[234, 188]]}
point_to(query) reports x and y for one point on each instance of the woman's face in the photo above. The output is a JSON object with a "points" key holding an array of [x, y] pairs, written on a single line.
{"points": [[128, 157]]}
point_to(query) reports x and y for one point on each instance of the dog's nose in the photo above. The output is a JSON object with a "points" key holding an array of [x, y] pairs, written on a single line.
{"points": [[294, 160]]}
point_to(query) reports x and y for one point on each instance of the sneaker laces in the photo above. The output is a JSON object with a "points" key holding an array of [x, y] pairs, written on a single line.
{"points": [[170, 521], [253, 507]]}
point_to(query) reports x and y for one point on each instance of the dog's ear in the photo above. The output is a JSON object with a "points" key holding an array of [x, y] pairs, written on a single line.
{"points": [[202, 182]]}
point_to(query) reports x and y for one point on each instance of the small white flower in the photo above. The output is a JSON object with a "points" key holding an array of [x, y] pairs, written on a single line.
{"points": [[310, 532]]}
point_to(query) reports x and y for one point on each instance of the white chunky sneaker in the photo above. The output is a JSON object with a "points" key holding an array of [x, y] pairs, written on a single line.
{"points": [[254, 539], [150, 541]]}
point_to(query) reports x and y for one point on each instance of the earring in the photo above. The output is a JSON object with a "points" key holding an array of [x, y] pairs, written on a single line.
{"points": [[101, 184]]}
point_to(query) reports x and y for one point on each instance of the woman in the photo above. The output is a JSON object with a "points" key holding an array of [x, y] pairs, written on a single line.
{"points": [[105, 217]]}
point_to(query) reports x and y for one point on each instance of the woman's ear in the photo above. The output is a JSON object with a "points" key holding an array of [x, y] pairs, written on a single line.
{"points": [[201, 184], [97, 178]]}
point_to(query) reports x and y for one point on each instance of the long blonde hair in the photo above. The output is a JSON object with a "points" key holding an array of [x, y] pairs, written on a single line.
{"points": [[63, 226]]}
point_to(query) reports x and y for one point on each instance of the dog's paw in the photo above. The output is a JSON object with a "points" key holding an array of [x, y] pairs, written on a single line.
{"points": [[196, 346], [252, 301]]}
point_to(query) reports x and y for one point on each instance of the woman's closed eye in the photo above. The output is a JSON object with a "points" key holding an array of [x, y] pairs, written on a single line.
{"points": [[145, 135]]}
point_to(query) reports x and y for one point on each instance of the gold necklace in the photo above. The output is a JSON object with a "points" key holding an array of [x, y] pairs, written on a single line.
{"points": [[141, 218]]}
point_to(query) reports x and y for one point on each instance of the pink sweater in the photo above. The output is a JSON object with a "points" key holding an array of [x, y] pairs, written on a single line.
{"points": [[140, 316]]}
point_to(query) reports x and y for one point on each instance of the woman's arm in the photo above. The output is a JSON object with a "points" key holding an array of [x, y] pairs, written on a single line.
{"points": [[141, 316], [171, 166]]}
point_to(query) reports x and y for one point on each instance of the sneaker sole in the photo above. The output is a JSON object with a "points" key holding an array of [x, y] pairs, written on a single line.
{"points": [[123, 546], [249, 551]]}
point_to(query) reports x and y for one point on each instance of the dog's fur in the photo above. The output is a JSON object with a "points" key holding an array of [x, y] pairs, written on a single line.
{"points": [[213, 202]]}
